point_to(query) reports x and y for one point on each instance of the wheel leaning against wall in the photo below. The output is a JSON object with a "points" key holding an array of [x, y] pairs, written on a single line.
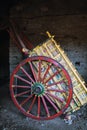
{"points": [[41, 88]]}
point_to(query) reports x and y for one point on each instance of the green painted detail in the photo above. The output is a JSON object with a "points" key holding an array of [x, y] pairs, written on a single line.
{"points": [[37, 88]]}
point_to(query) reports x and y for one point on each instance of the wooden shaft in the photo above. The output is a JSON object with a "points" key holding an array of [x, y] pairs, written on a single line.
{"points": [[17, 36]]}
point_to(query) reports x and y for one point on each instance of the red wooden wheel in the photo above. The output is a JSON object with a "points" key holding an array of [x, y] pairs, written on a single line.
{"points": [[41, 88]]}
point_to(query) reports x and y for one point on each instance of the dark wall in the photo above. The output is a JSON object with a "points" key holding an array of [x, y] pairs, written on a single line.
{"points": [[66, 19], [4, 56]]}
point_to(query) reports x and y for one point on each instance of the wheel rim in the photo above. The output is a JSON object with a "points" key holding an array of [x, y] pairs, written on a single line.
{"points": [[41, 88]]}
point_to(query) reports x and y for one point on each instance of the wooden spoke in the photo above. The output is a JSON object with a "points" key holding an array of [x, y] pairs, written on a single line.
{"points": [[22, 79], [34, 99], [45, 106], [24, 71], [33, 71]]}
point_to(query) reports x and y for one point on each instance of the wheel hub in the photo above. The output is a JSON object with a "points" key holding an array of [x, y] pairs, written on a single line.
{"points": [[37, 88]]}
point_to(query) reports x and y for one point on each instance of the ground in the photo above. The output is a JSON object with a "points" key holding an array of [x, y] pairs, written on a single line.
{"points": [[12, 119]]}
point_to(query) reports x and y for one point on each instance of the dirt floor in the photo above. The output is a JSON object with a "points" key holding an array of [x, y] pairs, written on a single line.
{"points": [[12, 119]]}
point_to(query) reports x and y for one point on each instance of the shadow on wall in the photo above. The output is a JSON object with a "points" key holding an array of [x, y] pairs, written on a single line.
{"points": [[4, 57]]}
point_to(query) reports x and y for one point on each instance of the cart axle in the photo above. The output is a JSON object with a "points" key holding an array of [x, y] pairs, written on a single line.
{"points": [[38, 89]]}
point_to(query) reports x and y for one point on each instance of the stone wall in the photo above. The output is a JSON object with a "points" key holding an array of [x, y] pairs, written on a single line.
{"points": [[69, 29]]}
